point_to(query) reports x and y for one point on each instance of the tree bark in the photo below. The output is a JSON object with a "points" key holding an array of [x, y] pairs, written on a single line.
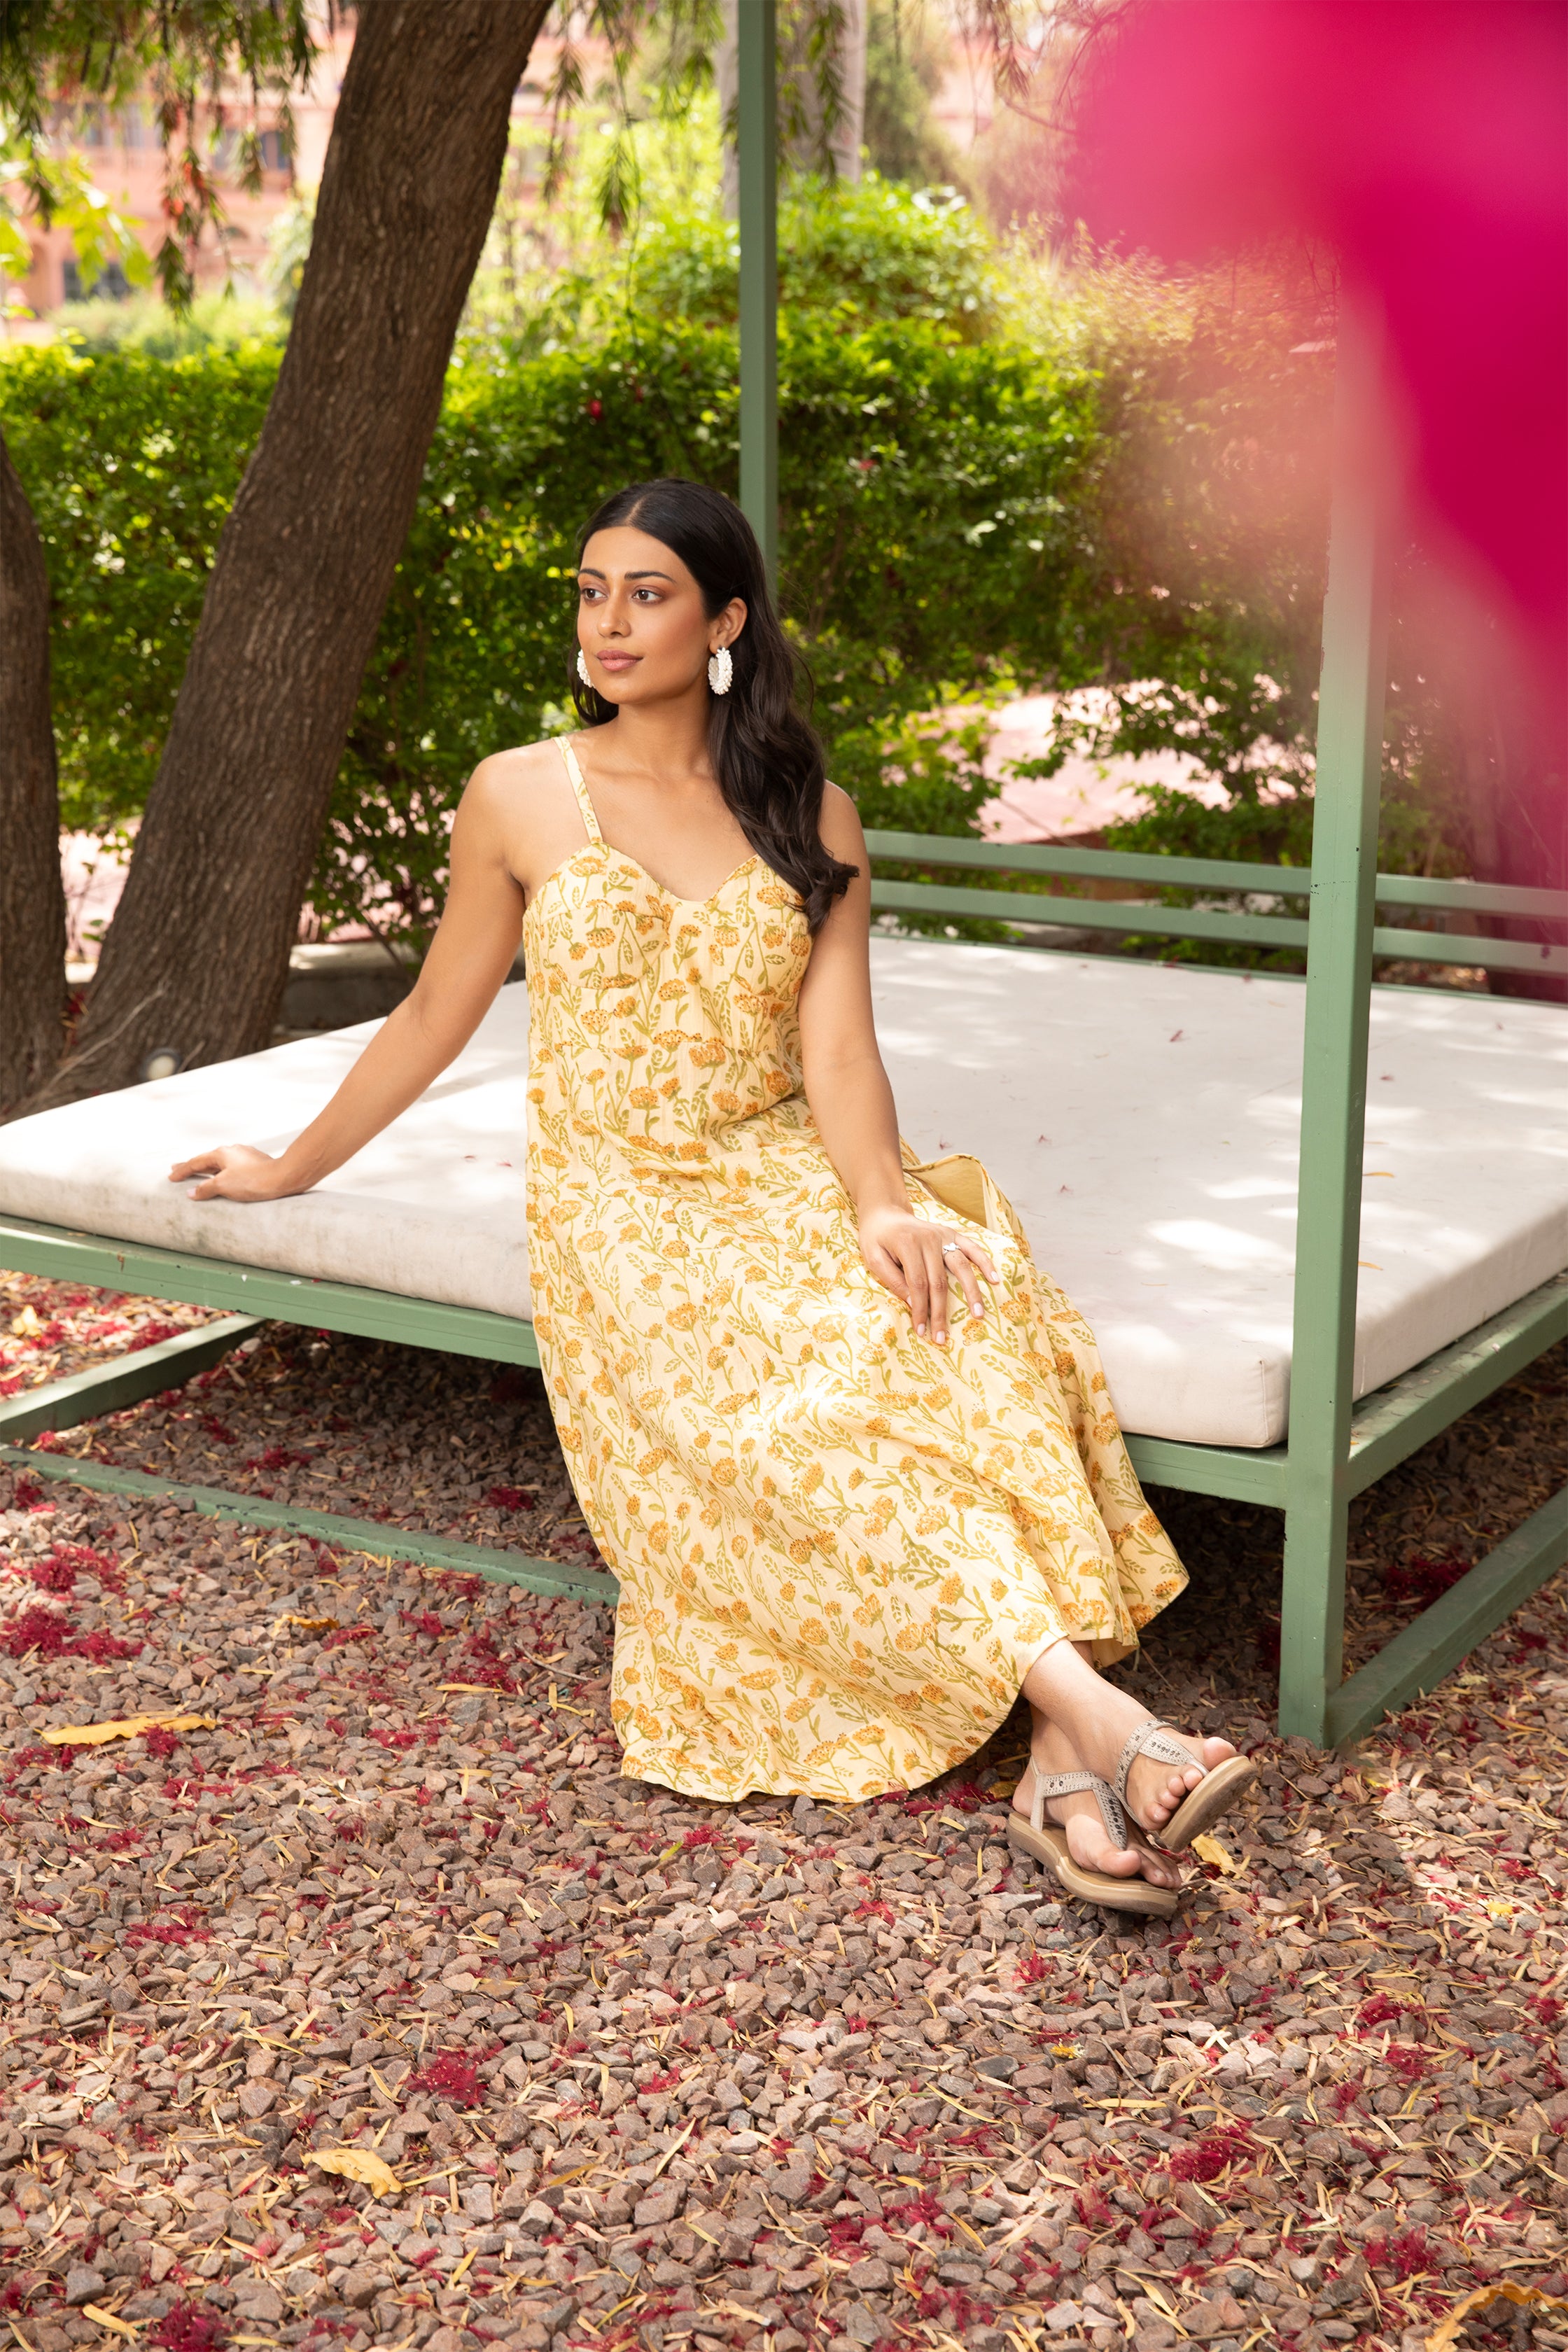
{"points": [[197, 955], [32, 900]]}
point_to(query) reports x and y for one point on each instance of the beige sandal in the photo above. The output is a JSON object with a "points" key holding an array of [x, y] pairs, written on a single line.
{"points": [[1046, 1842], [1218, 1790]]}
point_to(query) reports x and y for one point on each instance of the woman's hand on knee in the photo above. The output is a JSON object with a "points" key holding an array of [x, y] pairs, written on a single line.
{"points": [[916, 1260]]}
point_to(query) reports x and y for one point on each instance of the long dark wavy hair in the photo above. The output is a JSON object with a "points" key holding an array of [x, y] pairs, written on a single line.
{"points": [[765, 753]]}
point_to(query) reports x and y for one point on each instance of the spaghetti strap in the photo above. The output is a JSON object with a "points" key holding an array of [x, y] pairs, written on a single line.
{"points": [[585, 806]]}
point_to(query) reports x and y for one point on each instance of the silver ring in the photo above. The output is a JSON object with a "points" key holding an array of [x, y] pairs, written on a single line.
{"points": [[948, 1246]]}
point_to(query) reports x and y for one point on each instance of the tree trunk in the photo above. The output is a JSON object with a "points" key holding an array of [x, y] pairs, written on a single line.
{"points": [[32, 901], [849, 130], [197, 955]]}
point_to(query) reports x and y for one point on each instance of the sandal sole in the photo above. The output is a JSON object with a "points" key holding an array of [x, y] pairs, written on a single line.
{"points": [[1048, 1847], [1213, 1797]]}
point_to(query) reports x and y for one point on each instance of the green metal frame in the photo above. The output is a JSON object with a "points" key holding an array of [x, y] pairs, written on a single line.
{"points": [[1224, 924], [1382, 1430], [264, 1295], [756, 141], [1335, 1448]]}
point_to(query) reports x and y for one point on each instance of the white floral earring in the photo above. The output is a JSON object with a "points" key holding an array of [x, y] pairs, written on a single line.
{"points": [[721, 669], [583, 667]]}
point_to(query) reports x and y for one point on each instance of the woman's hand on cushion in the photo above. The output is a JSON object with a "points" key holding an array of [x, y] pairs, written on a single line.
{"points": [[236, 1171], [905, 1254]]}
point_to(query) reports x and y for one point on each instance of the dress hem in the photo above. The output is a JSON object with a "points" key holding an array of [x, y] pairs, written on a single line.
{"points": [[677, 1777]]}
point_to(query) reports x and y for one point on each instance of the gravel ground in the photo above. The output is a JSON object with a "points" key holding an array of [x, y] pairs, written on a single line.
{"points": [[642, 2071]]}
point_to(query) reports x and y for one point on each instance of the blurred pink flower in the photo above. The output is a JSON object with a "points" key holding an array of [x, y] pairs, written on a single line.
{"points": [[1428, 141]]}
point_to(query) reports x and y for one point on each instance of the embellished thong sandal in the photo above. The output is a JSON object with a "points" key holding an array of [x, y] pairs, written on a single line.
{"points": [[1218, 1790], [1046, 1842]]}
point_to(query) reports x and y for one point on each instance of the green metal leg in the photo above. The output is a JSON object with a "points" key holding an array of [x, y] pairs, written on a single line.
{"points": [[1416, 1660], [124, 1380], [313, 1304], [757, 155], [1333, 1077], [368, 1536]]}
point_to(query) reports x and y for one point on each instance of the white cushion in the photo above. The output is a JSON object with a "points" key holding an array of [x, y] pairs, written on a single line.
{"points": [[1143, 1120], [433, 1208]]}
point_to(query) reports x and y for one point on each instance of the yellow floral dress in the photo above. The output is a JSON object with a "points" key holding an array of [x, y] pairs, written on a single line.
{"points": [[840, 1548]]}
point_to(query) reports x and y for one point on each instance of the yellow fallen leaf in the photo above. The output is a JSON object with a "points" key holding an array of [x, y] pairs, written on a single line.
{"points": [[129, 1726], [27, 1325], [1209, 1849], [107, 2319], [359, 2164], [1529, 2298], [489, 1689], [312, 1625]]}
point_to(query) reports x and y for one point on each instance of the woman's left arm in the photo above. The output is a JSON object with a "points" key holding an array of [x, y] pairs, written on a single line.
{"points": [[852, 1102]]}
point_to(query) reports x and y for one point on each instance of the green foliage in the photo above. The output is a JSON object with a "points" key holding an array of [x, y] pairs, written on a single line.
{"points": [[907, 56], [858, 254], [39, 177], [194, 59], [1203, 529], [1119, 486], [289, 249], [926, 491], [1206, 511], [222, 320], [131, 463], [847, 255], [923, 546]]}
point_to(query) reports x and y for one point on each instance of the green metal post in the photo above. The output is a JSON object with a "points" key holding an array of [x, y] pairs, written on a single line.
{"points": [[1334, 1075], [756, 136]]}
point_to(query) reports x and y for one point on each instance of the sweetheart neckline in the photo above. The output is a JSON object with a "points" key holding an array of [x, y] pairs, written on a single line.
{"points": [[620, 857]]}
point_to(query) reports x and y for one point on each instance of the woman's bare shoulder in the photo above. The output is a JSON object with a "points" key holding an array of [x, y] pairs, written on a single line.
{"points": [[840, 824], [522, 772]]}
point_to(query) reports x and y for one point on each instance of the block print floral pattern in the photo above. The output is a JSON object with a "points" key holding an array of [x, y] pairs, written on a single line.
{"points": [[840, 1548]]}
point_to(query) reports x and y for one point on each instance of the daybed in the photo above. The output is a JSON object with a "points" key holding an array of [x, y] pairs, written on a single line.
{"points": [[1143, 1119]]}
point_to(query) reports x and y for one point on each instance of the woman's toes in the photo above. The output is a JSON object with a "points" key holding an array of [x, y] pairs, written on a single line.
{"points": [[1092, 1850], [1089, 1846]]}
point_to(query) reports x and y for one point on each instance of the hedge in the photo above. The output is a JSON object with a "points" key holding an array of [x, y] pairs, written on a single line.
{"points": [[928, 551]]}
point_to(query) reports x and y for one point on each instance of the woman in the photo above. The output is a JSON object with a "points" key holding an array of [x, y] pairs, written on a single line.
{"points": [[848, 1531]]}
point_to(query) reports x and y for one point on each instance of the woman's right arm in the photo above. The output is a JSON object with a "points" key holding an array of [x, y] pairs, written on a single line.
{"points": [[470, 958]]}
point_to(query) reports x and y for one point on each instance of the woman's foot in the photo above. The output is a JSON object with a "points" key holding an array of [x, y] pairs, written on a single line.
{"points": [[1156, 1792], [1096, 1718], [1088, 1841]]}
